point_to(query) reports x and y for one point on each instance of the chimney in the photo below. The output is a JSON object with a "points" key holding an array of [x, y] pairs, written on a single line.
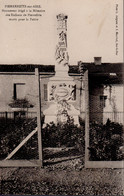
{"points": [[97, 60]]}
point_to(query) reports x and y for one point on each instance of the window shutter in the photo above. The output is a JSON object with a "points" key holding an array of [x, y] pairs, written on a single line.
{"points": [[45, 92]]}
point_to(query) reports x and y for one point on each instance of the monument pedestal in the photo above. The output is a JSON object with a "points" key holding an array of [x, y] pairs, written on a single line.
{"points": [[52, 115], [61, 95]]}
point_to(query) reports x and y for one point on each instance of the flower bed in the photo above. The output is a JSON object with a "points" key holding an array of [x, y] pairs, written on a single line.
{"points": [[67, 135], [106, 142], [12, 133]]}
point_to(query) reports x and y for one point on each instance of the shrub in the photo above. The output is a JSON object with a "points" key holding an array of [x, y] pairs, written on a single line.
{"points": [[105, 141], [67, 135], [20, 103], [13, 133]]}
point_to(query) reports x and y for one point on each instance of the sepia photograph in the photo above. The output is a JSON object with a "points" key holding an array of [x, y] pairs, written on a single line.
{"points": [[61, 97]]}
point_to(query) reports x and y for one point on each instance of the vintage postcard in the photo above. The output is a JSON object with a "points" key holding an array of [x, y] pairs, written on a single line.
{"points": [[61, 97]]}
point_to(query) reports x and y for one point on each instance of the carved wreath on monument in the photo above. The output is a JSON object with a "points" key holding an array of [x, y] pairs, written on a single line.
{"points": [[63, 108], [62, 91]]}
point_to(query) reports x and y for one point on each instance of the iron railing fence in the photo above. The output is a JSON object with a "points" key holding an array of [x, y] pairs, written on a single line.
{"points": [[17, 114], [102, 117]]}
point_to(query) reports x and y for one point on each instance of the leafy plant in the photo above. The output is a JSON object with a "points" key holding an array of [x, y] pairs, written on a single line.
{"points": [[20, 103], [67, 134], [13, 133], [105, 141]]}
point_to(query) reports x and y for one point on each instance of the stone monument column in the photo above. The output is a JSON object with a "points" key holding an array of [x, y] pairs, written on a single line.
{"points": [[61, 87], [61, 54]]}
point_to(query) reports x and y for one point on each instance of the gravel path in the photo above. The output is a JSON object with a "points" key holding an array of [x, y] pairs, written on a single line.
{"points": [[61, 175]]}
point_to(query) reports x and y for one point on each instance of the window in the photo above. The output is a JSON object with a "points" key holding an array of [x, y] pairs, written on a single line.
{"points": [[19, 91], [45, 92], [103, 100]]}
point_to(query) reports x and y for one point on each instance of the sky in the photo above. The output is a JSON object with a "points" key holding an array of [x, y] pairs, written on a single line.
{"points": [[91, 32]]}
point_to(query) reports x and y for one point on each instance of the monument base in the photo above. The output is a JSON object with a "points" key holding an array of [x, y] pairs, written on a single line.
{"points": [[53, 114]]}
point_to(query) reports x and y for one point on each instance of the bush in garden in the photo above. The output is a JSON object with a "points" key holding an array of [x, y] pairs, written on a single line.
{"points": [[21, 103], [12, 133], [67, 135], [105, 141]]}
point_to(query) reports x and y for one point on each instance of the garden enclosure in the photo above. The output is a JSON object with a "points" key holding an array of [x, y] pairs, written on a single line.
{"points": [[19, 137], [104, 133], [21, 142]]}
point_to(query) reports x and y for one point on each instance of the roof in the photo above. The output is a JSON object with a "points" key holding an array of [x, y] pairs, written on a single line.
{"points": [[26, 68], [98, 74], [105, 67], [92, 68]]}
